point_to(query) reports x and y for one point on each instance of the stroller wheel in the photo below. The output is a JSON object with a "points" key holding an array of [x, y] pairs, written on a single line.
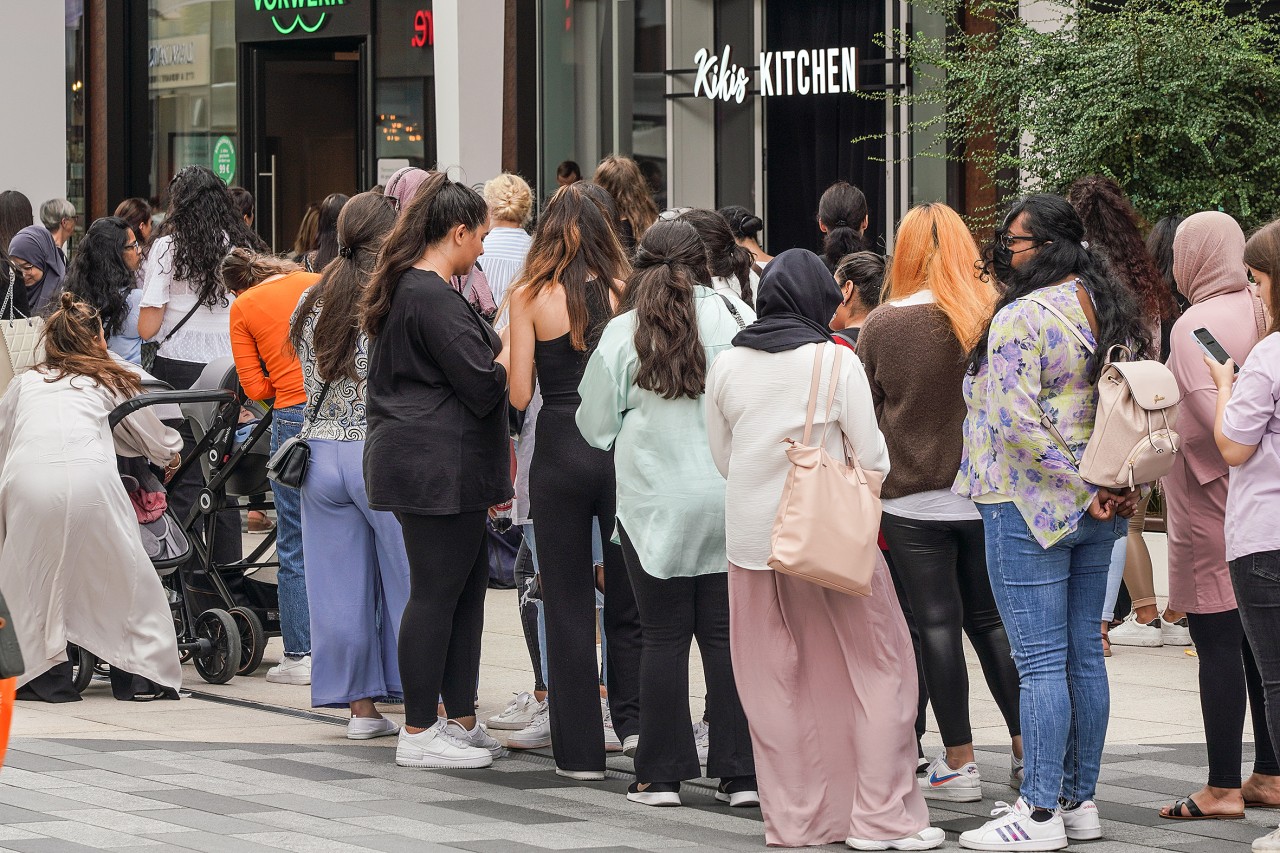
{"points": [[253, 639], [82, 665], [219, 664]]}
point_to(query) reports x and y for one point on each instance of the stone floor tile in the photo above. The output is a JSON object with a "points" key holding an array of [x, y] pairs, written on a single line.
{"points": [[34, 763], [427, 812], [38, 800], [39, 746], [299, 769], [210, 842], [213, 785], [311, 806], [387, 788], [415, 829], [189, 819], [493, 846], [205, 802], [111, 781], [88, 796], [113, 762], [301, 843], [48, 845], [304, 823], [151, 823], [399, 844], [503, 811], [83, 833]]}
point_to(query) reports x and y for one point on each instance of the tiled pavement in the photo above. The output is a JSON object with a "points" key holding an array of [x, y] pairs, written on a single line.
{"points": [[74, 795]]}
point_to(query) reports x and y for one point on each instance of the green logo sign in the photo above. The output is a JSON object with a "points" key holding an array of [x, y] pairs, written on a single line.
{"points": [[306, 14], [224, 159]]}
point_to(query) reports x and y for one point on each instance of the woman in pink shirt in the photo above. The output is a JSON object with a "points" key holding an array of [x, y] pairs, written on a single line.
{"points": [[1247, 432]]}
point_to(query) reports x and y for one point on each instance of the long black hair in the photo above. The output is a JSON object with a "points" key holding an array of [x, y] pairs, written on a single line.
{"points": [[205, 225], [725, 258], [98, 274], [1062, 254], [842, 209], [327, 230], [1160, 245]]}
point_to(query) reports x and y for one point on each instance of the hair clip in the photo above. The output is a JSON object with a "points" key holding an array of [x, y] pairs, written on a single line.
{"points": [[346, 251]]}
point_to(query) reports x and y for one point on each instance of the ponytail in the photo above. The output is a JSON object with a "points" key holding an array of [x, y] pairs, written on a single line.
{"points": [[73, 347], [842, 210]]}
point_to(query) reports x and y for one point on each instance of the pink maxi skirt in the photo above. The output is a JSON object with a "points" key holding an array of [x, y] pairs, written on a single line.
{"points": [[828, 683]]}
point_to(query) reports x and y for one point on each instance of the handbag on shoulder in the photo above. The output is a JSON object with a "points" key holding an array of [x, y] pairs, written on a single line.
{"points": [[288, 465], [22, 339], [828, 524]]}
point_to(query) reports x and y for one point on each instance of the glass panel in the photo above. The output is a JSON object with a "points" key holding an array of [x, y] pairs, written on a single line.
{"points": [[649, 105], [76, 188], [401, 128], [928, 169], [576, 112]]}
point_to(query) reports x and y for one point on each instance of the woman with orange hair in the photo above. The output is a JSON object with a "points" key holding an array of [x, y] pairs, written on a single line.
{"points": [[936, 302]]}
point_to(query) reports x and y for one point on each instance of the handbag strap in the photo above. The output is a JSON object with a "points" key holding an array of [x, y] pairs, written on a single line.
{"points": [[181, 323], [813, 393], [324, 392], [728, 303], [1046, 421]]}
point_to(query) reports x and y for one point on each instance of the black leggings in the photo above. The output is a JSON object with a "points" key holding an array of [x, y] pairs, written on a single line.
{"points": [[673, 611], [922, 689], [571, 487], [943, 568], [439, 647], [1228, 674]]}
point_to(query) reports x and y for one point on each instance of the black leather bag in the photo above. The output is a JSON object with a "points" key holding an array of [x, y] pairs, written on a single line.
{"points": [[288, 465], [11, 664]]}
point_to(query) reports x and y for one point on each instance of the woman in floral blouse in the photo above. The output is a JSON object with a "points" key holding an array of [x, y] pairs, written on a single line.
{"points": [[1049, 533], [357, 569]]}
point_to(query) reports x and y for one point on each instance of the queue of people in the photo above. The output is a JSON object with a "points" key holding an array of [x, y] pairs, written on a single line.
{"points": [[652, 367]]}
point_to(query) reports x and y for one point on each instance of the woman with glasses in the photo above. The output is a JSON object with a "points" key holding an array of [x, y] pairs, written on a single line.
{"points": [[1049, 534], [41, 264], [104, 273]]}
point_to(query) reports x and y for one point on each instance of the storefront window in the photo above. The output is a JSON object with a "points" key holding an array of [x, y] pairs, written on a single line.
{"points": [[192, 69], [75, 32], [404, 115], [648, 101]]}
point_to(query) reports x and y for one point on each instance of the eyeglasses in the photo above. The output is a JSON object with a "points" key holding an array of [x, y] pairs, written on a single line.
{"points": [[1008, 240], [134, 246], [22, 266]]}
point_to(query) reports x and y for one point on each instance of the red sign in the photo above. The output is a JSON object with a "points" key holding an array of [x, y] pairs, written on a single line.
{"points": [[424, 29]]}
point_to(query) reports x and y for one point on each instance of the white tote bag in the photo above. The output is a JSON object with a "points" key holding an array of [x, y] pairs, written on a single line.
{"points": [[22, 341]]}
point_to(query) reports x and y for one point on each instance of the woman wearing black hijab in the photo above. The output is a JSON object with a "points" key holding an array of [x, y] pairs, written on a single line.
{"points": [[806, 656]]}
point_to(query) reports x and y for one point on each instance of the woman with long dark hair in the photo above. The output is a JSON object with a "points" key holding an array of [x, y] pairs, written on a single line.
{"points": [[842, 218], [137, 213], [1160, 247], [71, 560], [642, 397], [1049, 534], [621, 178], [728, 264], [357, 569], [746, 228], [326, 233], [1111, 229], [104, 273], [16, 213], [437, 455], [571, 282]]}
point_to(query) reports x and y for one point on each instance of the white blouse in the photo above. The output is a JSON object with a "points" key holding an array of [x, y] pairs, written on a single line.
{"points": [[204, 337], [503, 259], [757, 399]]}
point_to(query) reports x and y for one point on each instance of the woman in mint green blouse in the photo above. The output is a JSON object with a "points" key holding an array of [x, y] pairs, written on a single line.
{"points": [[642, 394]]}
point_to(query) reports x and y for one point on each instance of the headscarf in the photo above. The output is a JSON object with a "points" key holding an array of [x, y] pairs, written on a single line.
{"points": [[403, 185], [1208, 256], [34, 244], [794, 306]]}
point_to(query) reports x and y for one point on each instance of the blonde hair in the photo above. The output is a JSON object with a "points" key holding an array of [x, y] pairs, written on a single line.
{"points": [[934, 250], [509, 198]]}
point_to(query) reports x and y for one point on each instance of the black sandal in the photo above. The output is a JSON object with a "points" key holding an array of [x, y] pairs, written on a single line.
{"points": [[1193, 812]]}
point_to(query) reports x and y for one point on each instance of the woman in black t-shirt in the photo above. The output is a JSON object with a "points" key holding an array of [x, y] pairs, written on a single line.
{"points": [[436, 455]]}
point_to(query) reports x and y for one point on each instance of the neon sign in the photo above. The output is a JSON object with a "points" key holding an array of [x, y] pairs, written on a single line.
{"points": [[303, 13], [424, 29]]}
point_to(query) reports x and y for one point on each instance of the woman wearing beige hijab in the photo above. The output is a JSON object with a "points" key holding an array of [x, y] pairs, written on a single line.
{"points": [[1208, 264]]}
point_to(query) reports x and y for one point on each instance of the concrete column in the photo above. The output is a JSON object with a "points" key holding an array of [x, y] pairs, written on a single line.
{"points": [[33, 159], [469, 56]]}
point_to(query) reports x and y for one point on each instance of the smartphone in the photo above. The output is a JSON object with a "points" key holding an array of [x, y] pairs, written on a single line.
{"points": [[1213, 349]]}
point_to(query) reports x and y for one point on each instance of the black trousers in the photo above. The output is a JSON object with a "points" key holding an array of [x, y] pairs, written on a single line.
{"points": [[672, 612], [571, 487], [228, 547], [922, 689], [1229, 673], [439, 645], [1256, 579], [528, 595], [943, 568]]}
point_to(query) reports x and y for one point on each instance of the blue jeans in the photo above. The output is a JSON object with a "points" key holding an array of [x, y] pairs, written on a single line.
{"points": [[295, 615], [1050, 600]]}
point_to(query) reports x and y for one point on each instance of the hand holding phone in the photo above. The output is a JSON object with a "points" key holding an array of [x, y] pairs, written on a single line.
{"points": [[1210, 346]]}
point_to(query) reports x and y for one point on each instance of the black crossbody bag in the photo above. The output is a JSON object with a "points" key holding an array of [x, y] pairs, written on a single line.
{"points": [[288, 465]]}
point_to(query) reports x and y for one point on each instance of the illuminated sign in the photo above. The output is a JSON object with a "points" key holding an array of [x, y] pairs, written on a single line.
{"points": [[424, 29], [821, 71], [272, 20], [290, 15]]}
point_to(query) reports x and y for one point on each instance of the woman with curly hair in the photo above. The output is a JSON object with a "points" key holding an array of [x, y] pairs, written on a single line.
{"points": [[104, 273], [1111, 228], [621, 178]]}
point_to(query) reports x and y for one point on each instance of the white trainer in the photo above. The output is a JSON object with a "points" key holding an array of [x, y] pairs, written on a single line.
{"points": [[433, 748], [953, 786], [368, 728], [582, 775], [1012, 828], [519, 713], [926, 839], [702, 740], [611, 742], [630, 744], [1175, 633], [536, 735], [1269, 843], [291, 671], [477, 737], [1082, 823], [1131, 632]]}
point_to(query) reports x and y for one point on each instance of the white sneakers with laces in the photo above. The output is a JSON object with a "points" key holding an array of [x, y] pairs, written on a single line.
{"points": [[1082, 822], [368, 728], [1013, 828], [477, 737], [941, 782], [536, 735], [1131, 632], [434, 748], [926, 839], [519, 713], [291, 671]]}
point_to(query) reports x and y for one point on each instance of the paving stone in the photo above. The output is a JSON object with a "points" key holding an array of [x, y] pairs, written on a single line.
{"points": [[48, 845], [300, 769], [305, 823], [37, 746], [213, 803], [311, 806], [502, 811], [90, 797], [492, 846], [399, 844], [425, 812], [13, 814], [83, 833], [115, 763], [38, 801], [111, 781], [210, 842], [34, 763], [209, 822], [414, 829], [117, 821], [300, 842]]}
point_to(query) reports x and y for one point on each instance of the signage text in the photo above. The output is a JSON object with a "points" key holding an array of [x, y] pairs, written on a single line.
{"points": [[822, 71]]}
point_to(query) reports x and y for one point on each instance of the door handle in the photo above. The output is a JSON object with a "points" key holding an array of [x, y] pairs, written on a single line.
{"points": [[272, 176]]}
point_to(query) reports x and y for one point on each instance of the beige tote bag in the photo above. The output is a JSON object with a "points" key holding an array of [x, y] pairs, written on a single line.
{"points": [[828, 521], [20, 339]]}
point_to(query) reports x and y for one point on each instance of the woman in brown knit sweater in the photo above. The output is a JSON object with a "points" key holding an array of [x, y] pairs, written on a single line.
{"points": [[914, 348]]}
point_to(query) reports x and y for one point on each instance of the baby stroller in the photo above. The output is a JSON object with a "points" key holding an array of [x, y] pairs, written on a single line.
{"points": [[210, 636]]}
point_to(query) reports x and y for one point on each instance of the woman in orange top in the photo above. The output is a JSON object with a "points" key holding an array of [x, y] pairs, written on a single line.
{"points": [[267, 293]]}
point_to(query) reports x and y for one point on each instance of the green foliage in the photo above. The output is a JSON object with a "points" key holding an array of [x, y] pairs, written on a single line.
{"points": [[1177, 100]]}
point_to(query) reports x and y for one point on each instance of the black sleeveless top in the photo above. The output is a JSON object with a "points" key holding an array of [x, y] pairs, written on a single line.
{"points": [[560, 366]]}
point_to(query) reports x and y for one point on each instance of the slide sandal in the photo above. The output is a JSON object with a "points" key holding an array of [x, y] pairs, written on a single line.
{"points": [[1186, 809], [1261, 805]]}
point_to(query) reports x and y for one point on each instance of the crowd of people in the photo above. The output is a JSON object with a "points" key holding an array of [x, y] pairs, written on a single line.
{"points": [[624, 380]]}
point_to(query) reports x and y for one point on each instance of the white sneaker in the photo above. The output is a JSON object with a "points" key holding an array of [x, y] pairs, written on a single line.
{"points": [[1082, 822], [1017, 771], [1268, 843], [368, 728], [926, 839], [611, 742], [1175, 633], [702, 739], [519, 713], [582, 775], [1131, 632], [630, 744], [291, 671], [1012, 828], [954, 786], [433, 748], [477, 738], [536, 735]]}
